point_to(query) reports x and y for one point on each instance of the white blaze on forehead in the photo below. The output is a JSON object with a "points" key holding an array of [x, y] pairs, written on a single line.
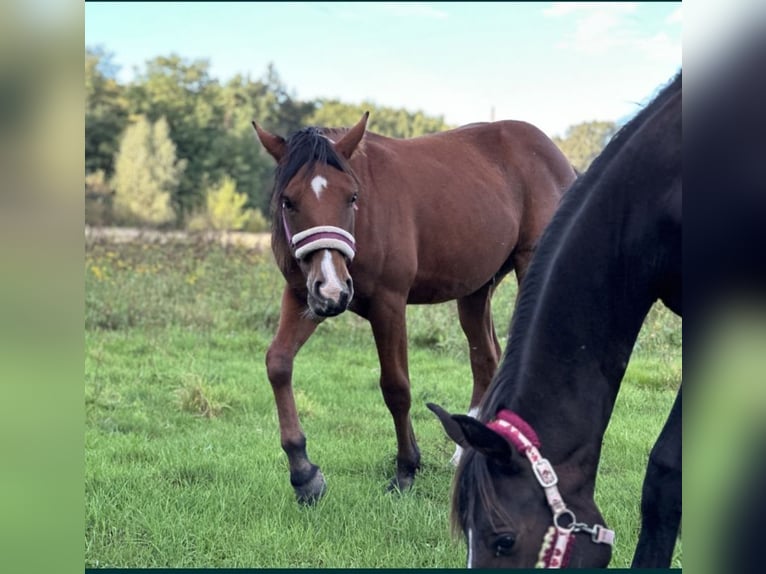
{"points": [[470, 548], [318, 184], [331, 287]]}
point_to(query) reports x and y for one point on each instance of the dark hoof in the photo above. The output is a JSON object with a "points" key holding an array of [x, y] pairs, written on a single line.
{"points": [[312, 490], [401, 484]]}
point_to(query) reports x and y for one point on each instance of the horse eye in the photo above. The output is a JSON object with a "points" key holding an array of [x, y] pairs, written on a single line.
{"points": [[504, 544], [287, 204], [354, 198]]}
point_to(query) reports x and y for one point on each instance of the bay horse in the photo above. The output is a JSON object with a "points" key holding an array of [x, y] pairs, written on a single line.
{"points": [[414, 221], [523, 493]]}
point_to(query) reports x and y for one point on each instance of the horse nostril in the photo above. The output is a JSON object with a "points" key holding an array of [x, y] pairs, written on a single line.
{"points": [[316, 288], [349, 285]]}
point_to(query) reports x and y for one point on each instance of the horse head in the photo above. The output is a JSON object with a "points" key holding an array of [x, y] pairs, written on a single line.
{"points": [[314, 208], [507, 501]]}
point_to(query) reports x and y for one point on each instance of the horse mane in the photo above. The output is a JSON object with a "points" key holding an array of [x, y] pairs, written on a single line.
{"points": [[306, 147], [477, 476]]}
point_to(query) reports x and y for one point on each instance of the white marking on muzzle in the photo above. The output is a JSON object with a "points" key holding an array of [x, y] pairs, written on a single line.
{"points": [[318, 184], [459, 449], [331, 286]]}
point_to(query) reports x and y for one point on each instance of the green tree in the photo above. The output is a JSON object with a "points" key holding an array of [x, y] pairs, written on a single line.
{"points": [[278, 107], [146, 173], [210, 125], [183, 92], [98, 199], [391, 122], [225, 207], [106, 111], [240, 156], [584, 141]]}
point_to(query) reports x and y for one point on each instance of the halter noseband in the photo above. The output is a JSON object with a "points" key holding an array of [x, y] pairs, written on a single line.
{"points": [[557, 543], [320, 237]]}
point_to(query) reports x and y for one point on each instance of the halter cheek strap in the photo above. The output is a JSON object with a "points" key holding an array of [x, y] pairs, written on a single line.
{"points": [[557, 543], [320, 237]]}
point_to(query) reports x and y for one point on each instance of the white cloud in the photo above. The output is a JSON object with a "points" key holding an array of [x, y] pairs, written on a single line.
{"points": [[601, 28]]}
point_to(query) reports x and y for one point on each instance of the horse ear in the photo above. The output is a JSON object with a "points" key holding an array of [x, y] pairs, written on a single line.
{"points": [[348, 143], [274, 144], [484, 439], [451, 427], [466, 431]]}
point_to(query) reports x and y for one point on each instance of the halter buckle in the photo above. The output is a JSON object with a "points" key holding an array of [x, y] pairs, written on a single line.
{"points": [[598, 534], [544, 473]]}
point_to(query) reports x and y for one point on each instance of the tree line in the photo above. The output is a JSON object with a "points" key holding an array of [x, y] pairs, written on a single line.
{"points": [[174, 147]]}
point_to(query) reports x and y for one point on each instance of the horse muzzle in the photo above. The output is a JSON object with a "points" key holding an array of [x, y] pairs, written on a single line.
{"points": [[330, 288], [330, 306]]}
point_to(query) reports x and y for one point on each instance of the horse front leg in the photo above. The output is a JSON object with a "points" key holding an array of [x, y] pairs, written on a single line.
{"points": [[294, 330], [389, 327], [661, 497]]}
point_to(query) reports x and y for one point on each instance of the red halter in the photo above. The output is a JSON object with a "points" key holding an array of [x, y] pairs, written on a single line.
{"points": [[558, 540]]}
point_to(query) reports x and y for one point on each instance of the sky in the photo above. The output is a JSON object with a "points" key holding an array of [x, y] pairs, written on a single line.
{"points": [[553, 64]]}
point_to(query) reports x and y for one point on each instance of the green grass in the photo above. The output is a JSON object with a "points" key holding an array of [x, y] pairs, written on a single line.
{"points": [[183, 463]]}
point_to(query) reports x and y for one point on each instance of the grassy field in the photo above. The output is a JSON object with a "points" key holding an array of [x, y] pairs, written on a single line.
{"points": [[183, 463]]}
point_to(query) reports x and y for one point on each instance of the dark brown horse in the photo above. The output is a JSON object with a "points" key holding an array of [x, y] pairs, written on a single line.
{"points": [[524, 489], [423, 220]]}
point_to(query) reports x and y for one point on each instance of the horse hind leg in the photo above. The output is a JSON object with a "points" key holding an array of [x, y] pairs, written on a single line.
{"points": [[521, 258], [475, 316], [293, 331], [475, 312], [661, 497], [387, 318]]}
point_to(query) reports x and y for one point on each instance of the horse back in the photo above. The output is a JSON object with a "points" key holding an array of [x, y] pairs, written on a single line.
{"points": [[455, 205]]}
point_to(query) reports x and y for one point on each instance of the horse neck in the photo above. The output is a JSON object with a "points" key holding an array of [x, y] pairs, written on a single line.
{"points": [[570, 346], [610, 251]]}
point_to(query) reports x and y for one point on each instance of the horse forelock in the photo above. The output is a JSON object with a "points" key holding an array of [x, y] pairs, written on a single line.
{"points": [[306, 147], [473, 476]]}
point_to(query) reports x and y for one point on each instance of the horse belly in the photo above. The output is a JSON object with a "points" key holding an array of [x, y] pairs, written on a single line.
{"points": [[448, 278], [459, 259]]}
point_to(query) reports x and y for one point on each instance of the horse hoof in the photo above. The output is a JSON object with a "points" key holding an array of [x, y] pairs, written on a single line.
{"points": [[400, 484], [309, 493]]}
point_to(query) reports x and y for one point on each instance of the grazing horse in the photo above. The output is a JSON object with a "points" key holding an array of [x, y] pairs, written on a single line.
{"points": [[524, 490], [370, 223]]}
